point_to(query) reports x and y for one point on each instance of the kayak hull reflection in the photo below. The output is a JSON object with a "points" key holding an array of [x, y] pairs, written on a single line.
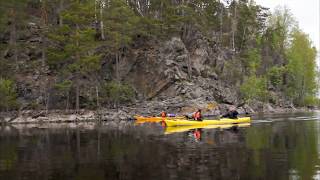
{"points": [[177, 129]]}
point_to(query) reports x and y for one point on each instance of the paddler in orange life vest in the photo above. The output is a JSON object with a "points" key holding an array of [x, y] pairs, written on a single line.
{"points": [[197, 115]]}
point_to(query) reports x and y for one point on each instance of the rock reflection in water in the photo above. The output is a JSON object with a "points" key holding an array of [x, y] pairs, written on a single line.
{"points": [[280, 150]]}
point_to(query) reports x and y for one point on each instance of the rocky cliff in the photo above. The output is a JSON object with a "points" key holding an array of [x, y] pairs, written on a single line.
{"points": [[166, 75]]}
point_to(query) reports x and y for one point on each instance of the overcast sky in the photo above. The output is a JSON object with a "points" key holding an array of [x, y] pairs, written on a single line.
{"points": [[307, 13]]}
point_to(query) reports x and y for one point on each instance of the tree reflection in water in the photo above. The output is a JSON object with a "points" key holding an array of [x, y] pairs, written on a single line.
{"points": [[279, 150]]}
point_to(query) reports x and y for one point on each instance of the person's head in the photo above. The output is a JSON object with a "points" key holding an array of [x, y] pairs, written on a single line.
{"points": [[199, 110], [232, 108]]}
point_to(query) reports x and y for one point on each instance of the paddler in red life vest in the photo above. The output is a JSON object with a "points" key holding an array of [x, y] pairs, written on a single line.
{"points": [[197, 115], [163, 114], [163, 117]]}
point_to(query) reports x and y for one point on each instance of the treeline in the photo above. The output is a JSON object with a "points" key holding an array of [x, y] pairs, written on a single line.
{"points": [[292, 71], [76, 37]]}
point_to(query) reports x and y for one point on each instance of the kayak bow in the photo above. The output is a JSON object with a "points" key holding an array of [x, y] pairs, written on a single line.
{"points": [[142, 119]]}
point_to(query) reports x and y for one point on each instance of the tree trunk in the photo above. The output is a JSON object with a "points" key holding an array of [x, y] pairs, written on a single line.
{"points": [[60, 13], [189, 66], [234, 25], [44, 22], [67, 101], [101, 21], [13, 36], [78, 60], [95, 12], [97, 96], [302, 91], [47, 101], [77, 97], [221, 21], [243, 39], [117, 67], [44, 55], [118, 77]]}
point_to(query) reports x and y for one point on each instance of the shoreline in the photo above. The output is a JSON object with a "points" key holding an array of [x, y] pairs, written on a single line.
{"points": [[116, 115]]}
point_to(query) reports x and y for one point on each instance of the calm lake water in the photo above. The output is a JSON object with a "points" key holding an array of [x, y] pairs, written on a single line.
{"points": [[271, 147]]}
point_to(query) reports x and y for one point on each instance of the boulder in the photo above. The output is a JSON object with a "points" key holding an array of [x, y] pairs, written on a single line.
{"points": [[268, 108]]}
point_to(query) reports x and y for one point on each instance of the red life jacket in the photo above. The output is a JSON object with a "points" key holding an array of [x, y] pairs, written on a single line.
{"points": [[163, 124], [197, 134], [197, 115]]}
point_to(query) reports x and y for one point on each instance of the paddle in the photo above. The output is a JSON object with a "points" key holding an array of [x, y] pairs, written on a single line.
{"points": [[204, 116]]}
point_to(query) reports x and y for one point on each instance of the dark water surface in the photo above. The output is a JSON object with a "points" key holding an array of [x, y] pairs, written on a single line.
{"points": [[272, 147]]}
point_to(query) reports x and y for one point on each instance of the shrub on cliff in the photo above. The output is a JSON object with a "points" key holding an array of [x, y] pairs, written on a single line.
{"points": [[8, 95], [251, 60], [275, 76], [254, 88], [115, 93]]}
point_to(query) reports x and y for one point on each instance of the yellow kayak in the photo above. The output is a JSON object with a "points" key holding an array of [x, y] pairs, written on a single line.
{"points": [[142, 119], [207, 122], [177, 129]]}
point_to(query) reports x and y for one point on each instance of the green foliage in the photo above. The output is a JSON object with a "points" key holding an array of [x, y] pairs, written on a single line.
{"points": [[301, 69], [254, 88], [64, 86], [310, 100], [8, 95], [114, 92], [231, 73], [281, 23], [12, 10], [252, 60], [121, 24], [212, 20], [86, 65], [71, 52], [5, 68], [317, 102], [250, 22], [275, 76], [74, 50]]}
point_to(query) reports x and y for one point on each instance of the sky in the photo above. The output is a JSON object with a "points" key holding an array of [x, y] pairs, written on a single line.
{"points": [[307, 12]]}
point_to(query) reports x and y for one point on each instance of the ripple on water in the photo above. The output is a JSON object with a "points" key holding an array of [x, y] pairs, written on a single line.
{"points": [[257, 121]]}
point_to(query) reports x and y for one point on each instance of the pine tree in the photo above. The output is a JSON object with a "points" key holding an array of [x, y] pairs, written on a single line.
{"points": [[74, 45], [120, 23], [11, 17]]}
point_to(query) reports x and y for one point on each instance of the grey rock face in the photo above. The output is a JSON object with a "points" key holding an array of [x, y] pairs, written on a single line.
{"points": [[173, 75], [164, 73]]}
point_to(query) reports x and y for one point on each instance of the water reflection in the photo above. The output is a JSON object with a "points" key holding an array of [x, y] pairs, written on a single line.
{"points": [[219, 135], [285, 149], [290, 147]]}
